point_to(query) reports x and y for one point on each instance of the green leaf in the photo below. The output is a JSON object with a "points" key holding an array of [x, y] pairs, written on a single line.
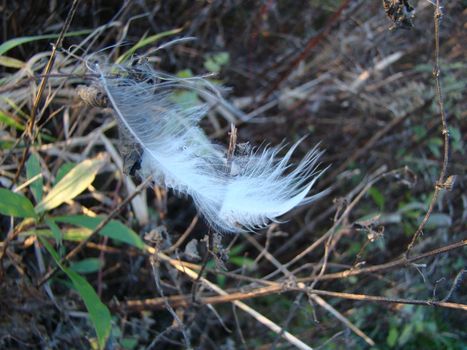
{"points": [[434, 145], [146, 41], [215, 62], [7, 144], [98, 312], [57, 234], [457, 142], [33, 168], [186, 98], [185, 73], [89, 265], [222, 58], [377, 197], [16, 108], [64, 169], [14, 204], [114, 229], [392, 337], [406, 334], [7, 119], [424, 68], [242, 261], [221, 279], [71, 234], [212, 66], [10, 44], [11, 62], [129, 343], [71, 185], [236, 250]]}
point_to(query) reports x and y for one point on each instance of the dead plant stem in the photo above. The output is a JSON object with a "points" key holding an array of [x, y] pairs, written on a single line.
{"points": [[440, 184], [32, 120]]}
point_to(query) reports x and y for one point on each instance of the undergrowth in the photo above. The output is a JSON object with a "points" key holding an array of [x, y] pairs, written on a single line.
{"points": [[92, 257]]}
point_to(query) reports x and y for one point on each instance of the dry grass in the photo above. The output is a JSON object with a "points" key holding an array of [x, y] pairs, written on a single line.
{"points": [[357, 269]]}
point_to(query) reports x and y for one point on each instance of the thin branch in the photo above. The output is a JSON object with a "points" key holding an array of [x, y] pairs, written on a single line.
{"points": [[378, 175], [183, 237], [441, 183], [321, 302], [275, 287], [403, 261], [252, 312], [177, 321], [364, 297], [185, 300], [457, 282]]}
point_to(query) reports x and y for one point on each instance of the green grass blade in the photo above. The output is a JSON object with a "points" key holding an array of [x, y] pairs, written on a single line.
{"points": [[114, 229], [33, 168], [74, 234], [89, 265], [10, 44], [146, 41], [71, 185], [98, 312], [11, 62], [64, 169], [7, 119], [14, 204], [55, 230]]}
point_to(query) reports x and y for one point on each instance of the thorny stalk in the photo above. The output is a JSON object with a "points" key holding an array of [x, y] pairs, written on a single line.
{"points": [[441, 184]]}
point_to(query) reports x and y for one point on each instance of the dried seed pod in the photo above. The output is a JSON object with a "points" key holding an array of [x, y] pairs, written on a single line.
{"points": [[130, 150], [400, 12], [93, 96]]}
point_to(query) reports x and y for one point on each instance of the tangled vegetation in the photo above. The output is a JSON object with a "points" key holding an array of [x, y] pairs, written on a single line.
{"points": [[93, 257]]}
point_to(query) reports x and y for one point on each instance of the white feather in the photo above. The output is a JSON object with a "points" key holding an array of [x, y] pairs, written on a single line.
{"points": [[253, 190]]}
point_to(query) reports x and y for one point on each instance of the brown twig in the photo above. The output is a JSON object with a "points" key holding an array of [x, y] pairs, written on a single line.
{"points": [[386, 266], [321, 302], [276, 287], [184, 236], [3, 249], [362, 190], [185, 300], [32, 120], [232, 143], [180, 266], [441, 183]]}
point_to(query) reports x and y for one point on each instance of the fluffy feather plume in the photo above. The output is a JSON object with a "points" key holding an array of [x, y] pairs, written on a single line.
{"points": [[244, 192]]}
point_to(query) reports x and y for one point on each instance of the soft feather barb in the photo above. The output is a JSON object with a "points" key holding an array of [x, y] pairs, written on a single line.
{"points": [[244, 192]]}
